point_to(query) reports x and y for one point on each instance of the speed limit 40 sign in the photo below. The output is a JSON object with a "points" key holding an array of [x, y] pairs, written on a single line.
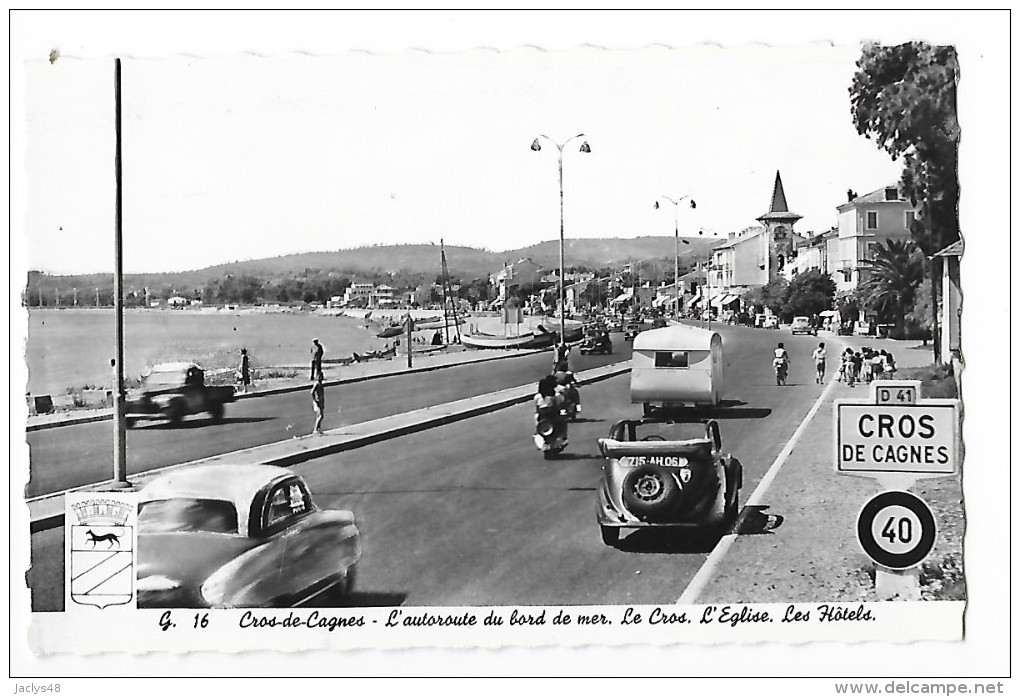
{"points": [[896, 529]]}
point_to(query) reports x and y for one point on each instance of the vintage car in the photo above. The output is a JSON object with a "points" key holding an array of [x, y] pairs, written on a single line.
{"points": [[771, 322], [240, 536], [172, 391], [597, 342], [632, 329], [666, 474], [802, 325]]}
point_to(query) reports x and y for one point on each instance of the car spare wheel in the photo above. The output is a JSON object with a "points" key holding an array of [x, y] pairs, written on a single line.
{"points": [[650, 492]]}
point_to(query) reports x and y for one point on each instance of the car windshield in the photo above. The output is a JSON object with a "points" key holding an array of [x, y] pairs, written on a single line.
{"points": [[187, 515]]}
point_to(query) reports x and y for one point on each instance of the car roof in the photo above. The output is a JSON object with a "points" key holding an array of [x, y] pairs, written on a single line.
{"points": [[235, 483], [177, 367]]}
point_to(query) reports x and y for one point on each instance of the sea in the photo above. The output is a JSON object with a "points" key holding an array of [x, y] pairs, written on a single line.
{"points": [[71, 348]]}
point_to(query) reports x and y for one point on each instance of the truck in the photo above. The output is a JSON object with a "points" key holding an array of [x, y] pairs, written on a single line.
{"points": [[172, 391]]}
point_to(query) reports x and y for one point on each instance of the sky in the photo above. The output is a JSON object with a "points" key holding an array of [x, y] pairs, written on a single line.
{"points": [[242, 156]]}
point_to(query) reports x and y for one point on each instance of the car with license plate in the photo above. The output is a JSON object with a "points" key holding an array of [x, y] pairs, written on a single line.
{"points": [[666, 474], [802, 325], [227, 536]]}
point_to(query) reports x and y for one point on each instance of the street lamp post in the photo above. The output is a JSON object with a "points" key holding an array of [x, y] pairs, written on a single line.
{"points": [[676, 234], [560, 146]]}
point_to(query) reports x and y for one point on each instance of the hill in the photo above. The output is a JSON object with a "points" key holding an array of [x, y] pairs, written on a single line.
{"points": [[404, 264]]}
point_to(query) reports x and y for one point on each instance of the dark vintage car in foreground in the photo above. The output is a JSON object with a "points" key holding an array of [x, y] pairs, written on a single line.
{"points": [[664, 474], [171, 391], [241, 536]]}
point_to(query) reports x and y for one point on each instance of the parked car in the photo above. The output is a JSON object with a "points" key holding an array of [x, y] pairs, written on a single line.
{"points": [[240, 536], [802, 325], [656, 475], [771, 322], [632, 329], [172, 391]]}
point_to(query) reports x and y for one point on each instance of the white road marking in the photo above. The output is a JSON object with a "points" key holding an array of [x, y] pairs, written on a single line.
{"points": [[707, 570]]}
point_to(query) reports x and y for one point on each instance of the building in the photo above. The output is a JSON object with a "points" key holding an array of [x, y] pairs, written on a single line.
{"points": [[950, 310], [383, 296], [863, 223], [520, 273], [358, 294]]}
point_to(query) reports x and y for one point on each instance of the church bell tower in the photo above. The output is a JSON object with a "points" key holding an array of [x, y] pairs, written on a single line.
{"points": [[778, 222]]}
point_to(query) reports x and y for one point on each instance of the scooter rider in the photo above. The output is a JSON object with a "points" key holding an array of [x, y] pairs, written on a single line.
{"points": [[781, 359], [566, 387]]}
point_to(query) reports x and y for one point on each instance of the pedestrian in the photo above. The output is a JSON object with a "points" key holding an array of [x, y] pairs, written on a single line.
{"points": [[867, 373], [244, 371], [561, 356], [318, 403], [849, 370], [858, 362], [317, 352], [877, 365], [819, 355], [890, 362]]}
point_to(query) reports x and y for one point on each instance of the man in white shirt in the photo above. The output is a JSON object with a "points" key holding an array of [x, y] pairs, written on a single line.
{"points": [[819, 355]]}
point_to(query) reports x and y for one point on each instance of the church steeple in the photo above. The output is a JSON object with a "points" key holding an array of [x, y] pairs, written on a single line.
{"points": [[779, 210]]}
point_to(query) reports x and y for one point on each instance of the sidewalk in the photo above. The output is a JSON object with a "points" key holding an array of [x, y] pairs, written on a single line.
{"points": [[335, 374], [48, 511], [797, 542]]}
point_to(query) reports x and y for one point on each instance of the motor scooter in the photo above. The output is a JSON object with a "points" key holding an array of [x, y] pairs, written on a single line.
{"points": [[550, 429], [781, 368], [571, 400]]}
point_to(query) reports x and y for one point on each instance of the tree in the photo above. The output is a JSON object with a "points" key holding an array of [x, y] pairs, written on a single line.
{"points": [[808, 294], [905, 98], [894, 274]]}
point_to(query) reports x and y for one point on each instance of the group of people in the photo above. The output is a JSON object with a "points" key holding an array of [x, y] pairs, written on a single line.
{"points": [[866, 365]]}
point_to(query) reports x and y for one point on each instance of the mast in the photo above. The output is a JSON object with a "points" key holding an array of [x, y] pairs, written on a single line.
{"points": [[448, 295]]}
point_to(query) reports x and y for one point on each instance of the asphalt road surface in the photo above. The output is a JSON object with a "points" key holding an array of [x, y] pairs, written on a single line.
{"points": [[70, 456], [471, 514]]}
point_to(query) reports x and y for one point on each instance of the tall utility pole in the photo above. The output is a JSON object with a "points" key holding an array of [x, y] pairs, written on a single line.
{"points": [[676, 236], [119, 427], [563, 293]]}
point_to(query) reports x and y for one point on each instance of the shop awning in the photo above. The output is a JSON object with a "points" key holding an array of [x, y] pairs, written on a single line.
{"points": [[695, 300], [719, 300], [623, 297]]}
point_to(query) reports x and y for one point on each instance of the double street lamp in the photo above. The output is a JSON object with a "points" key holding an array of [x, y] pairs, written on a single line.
{"points": [[560, 146], [676, 233]]}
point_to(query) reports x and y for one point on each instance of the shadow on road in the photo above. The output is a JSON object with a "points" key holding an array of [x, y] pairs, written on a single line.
{"points": [[733, 413], [669, 541], [373, 599], [587, 421], [755, 521], [575, 456], [201, 423]]}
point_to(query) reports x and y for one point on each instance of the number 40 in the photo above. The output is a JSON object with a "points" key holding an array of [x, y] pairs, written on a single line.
{"points": [[902, 528]]}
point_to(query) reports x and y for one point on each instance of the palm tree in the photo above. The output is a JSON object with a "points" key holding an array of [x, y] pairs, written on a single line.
{"points": [[894, 273]]}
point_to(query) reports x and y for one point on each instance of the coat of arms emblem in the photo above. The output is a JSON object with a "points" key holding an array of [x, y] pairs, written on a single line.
{"points": [[101, 541]]}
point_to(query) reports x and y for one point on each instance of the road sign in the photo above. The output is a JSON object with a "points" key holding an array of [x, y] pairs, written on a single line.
{"points": [[897, 433], [876, 438], [896, 391], [896, 529]]}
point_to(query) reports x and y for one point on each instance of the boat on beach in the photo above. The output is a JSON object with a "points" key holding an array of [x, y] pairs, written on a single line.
{"points": [[528, 340]]}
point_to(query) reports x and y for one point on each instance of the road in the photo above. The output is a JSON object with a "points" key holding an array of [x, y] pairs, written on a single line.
{"points": [[71, 456], [470, 513]]}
